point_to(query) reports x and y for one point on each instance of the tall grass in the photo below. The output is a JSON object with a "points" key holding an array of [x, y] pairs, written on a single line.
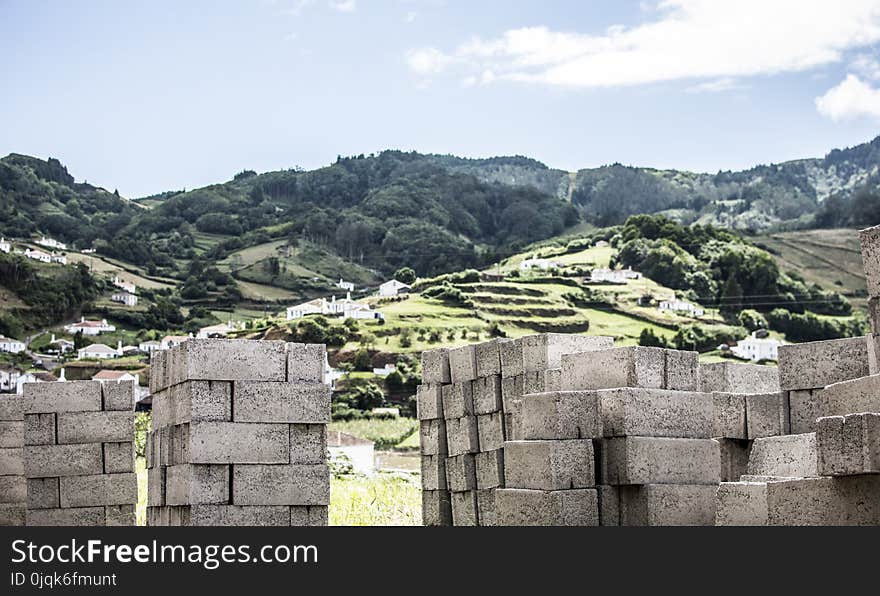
{"points": [[385, 432], [385, 499]]}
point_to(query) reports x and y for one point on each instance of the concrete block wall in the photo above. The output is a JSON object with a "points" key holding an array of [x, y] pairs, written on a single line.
{"points": [[239, 435], [79, 454], [13, 487]]}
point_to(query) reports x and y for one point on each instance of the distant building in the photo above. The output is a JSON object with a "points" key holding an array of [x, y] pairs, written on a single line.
{"points": [[50, 243], [385, 370], [613, 276], [169, 341], [148, 347], [33, 377], [62, 345], [757, 348], [221, 330], [5, 245], [13, 346], [124, 285], [99, 352], [393, 288], [345, 308], [601, 244], [60, 259], [360, 452], [345, 285], [90, 327], [125, 298], [8, 378], [542, 264], [38, 255], [116, 376], [675, 305]]}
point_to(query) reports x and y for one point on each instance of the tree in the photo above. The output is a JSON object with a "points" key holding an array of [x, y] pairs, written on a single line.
{"points": [[362, 360], [752, 320], [405, 275], [731, 297], [648, 338], [78, 340]]}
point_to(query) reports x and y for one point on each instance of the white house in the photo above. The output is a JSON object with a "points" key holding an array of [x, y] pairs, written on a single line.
{"points": [[542, 264], [169, 341], [13, 346], [5, 245], [62, 345], [385, 370], [221, 330], [613, 276], [124, 285], [125, 298], [116, 376], [8, 378], [345, 285], [360, 452], [312, 307], [60, 259], [34, 377], [675, 305], [601, 244], [148, 347], [99, 351], [38, 255], [345, 308], [90, 327], [393, 288], [757, 348], [50, 243]]}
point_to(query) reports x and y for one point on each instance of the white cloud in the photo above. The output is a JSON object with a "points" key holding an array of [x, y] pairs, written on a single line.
{"points": [[866, 65], [410, 16], [297, 7], [686, 39], [715, 86], [344, 5], [852, 98]]}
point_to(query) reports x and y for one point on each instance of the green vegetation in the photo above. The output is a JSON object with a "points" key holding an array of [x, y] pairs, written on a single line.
{"points": [[385, 499], [384, 432]]}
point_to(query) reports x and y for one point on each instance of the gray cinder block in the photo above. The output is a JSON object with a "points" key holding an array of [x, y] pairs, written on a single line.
{"points": [[228, 360], [432, 437], [609, 504], [511, 353], [527, 507], [11, 433], [730, 415], [309, 515], [490, 469], [737, 377], [43, 461], [233, 515], [435, 366], [39, 429], [294, 402], [486, 508], [848, 445], [308, 443], [487, 395], [786, 456], [848, 397], [305, 362], [11, 407], [458, 400], [844, 501], [734, 458], [766, 415], [490, 430], [511, 389], [682, 370], [553, 379], [118, 457], [656, 413], [462, 435], [231, 442], [803, 409], [488, 357], [13, 489], [667, 505], [741, 504], [461, 473], [95, 427], [533, 382], [42, 493], [512, 421], [549, 465], [819, 363], [118, 396], [436, 508], [433, 472], [12, 514], [464, 508], [188, 484], [74, 516], [158, 371], [872, 340], [197, 401], [119, 515], [429, 402], [545, 350], [463, 364], [69, 396], [156, 486], [98, 489], [11, 460], [632, 366], [869, 238], [293, 484], [659, 460], [559, 415]]}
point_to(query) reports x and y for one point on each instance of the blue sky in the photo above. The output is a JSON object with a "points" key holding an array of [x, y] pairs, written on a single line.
{"points": [[159, 95]]}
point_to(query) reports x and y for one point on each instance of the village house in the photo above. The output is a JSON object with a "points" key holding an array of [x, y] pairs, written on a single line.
{"points": [[542, 264], [148, 347], [345, 285], [675, 305], [62, 346], [51, 243], [756, 348], [99, 352], [345, 308], [13, 346], [5, 245], [116, 376], [8, 378], [38, 255], [221, 330], [90, 327], [124, 285], [613, 276], [125, 298], [393, 288], [385, 370], [35, 377], [169, 341]]}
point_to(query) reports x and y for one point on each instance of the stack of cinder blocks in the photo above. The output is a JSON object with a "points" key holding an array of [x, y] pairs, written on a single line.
{"points": [[239, 435], [465, 411], [79, 453], [13, 489]]}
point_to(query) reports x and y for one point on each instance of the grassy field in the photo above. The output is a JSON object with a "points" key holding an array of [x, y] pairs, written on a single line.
{"points": [[385, 433], [385, 499], [99, 265]]}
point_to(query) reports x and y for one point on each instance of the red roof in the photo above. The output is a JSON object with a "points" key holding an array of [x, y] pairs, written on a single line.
{"points": [[110, 375]]}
